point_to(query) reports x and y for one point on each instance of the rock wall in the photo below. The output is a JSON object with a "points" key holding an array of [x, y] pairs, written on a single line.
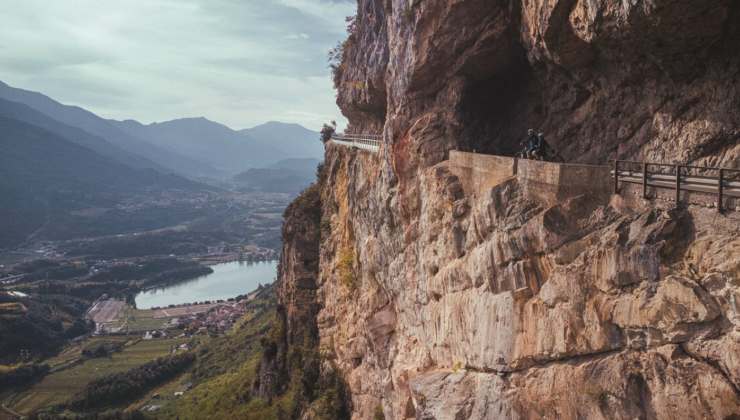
{"points": [[603, 79], [439, 303], [478, 173], [507, 307], [294, 328]]}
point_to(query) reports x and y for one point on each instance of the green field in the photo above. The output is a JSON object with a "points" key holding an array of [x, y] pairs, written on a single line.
{"points": [[72, 354], [134, 320], [57, 387], [140, 320], [223, 375], [216, 385]]}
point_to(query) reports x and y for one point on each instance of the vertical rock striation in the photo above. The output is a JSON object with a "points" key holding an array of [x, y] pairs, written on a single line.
{"points": [[437, 300]]}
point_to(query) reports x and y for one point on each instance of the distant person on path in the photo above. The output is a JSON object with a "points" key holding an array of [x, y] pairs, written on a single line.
{"points": [[529, 144], [539, 147], [543, 151]]}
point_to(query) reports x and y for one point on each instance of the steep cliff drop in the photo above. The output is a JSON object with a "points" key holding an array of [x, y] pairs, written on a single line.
{"points": [[432, 294]]}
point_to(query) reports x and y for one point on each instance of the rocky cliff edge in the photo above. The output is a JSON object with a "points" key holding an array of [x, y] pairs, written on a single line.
{"points": [[434, 300]]}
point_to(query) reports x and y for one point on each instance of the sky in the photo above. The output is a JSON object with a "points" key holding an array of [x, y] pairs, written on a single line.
{"points": [[238, 62]]}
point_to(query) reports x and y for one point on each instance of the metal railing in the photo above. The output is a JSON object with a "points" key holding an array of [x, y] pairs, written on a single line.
{"points": [[724, 182], [369, 142]]}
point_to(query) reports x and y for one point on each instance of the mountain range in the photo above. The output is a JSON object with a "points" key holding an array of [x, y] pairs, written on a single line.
{"points": [[44, 177], [225, 150], [20, 112], [287, 176], [56, 159], [191, 147]]}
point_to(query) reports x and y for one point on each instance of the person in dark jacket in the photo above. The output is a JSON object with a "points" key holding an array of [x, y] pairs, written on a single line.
{"points": [[529, 143], [538, 150]]}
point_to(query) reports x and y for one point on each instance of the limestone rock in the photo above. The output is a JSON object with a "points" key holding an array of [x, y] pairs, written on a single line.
{"points": [[437, 296]]}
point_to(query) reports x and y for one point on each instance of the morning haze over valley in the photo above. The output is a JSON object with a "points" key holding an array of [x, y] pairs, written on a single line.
{"points": [[144, 172], [369, 209]]}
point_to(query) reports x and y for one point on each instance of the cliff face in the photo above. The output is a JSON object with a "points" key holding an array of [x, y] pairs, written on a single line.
{"points": [[295, 325], [601, 78], [438, 300]]}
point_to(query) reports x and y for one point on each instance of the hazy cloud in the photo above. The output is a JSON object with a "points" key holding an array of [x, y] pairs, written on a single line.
{"points": [[241, 62]]}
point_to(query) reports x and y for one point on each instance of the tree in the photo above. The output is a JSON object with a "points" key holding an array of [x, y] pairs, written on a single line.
{"points": [[327, 131]]}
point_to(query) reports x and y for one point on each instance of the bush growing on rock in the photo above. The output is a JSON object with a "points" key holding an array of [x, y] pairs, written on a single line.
{"points": [[346, 268]]}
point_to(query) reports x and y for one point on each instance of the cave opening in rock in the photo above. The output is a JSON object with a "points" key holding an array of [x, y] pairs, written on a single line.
{"points": [[496, 110], [366, 120]]}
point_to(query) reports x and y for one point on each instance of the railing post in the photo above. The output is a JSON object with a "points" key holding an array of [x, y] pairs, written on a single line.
{"points": [[644, 179], [616, 176], [678, 183], [720, 186]]}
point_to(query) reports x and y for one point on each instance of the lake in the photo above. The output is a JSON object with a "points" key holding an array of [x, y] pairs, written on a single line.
{"points": [[228, 280]]}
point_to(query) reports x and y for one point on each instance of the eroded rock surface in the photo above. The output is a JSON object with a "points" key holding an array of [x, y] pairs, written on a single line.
{"points": [[440, 303], [610, 313]]}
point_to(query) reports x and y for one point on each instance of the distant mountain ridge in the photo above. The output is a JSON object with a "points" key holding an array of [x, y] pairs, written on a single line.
{"points": [[194, 147], [226, 149], [24, 113], [95, 125], [294, 140], [58, 160], [43, 176], [286, 176], [201, 139]]}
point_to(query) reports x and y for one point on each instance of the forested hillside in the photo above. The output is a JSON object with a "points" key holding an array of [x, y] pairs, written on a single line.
{"points": [[93, 124], [43, 176]]}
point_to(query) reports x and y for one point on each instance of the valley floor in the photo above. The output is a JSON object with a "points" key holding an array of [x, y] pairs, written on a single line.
{"points": [[150, 336]]}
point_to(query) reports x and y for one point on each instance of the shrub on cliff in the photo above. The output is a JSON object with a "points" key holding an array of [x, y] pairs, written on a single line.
{"points": [[327, 131], [378, 414], [336, 54], [292, 378], [346, 268], [306, 205]]}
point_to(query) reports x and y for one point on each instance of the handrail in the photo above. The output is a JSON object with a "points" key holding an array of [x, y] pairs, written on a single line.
{"points": [[678, 180], [369, 142], [715, 168], [357, 135]]}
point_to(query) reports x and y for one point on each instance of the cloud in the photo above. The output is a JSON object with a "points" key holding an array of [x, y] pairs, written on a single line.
{"points": [[234, 61], [301, 35]]}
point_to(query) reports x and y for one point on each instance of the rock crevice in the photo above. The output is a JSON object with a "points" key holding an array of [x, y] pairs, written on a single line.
{"points": [[439, 296]]}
